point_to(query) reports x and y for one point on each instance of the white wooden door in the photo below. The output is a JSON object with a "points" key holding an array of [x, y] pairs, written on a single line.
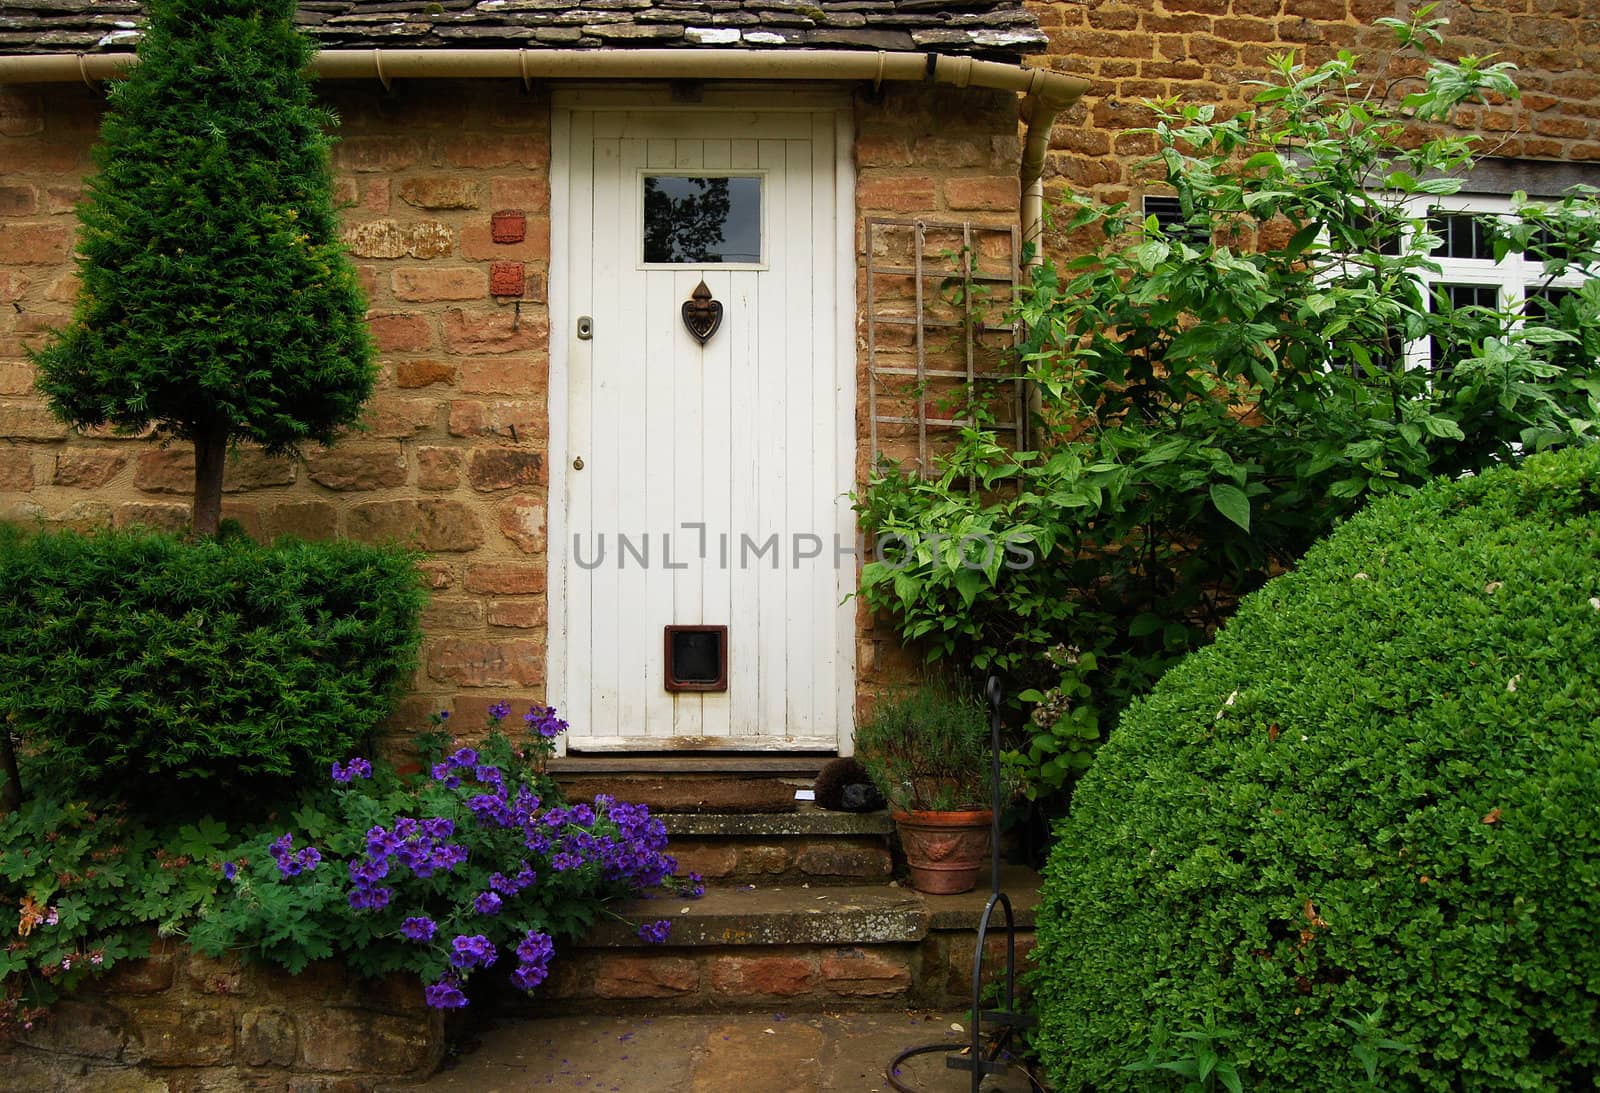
{"points": [[698, 478]]}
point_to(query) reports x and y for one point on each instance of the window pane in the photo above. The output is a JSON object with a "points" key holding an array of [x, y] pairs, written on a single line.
{"points": [[1461, 235], [699, 221], [1543, 304], [1464, 323], [1168, 212]]}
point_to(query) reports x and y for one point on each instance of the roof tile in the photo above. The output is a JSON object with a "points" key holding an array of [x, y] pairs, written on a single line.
{"points": [[1001, 29]]}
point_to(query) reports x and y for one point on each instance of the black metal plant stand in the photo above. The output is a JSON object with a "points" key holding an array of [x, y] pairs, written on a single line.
{"points": [[1005, 1020]]}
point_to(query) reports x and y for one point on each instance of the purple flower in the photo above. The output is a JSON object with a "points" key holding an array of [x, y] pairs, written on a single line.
{"points": [[543, 720], [487, 903], [533, 955], [656, 932], [356, 768], [365, 897], [291, 864], [500, 711], [563, 860], [229, 870], [444, 995], [418, 928], [470, 951], [442, 773], [463, 757]]}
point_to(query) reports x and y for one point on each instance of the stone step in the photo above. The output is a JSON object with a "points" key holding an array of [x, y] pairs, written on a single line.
{"points": [[807, 846], [797, 948]]}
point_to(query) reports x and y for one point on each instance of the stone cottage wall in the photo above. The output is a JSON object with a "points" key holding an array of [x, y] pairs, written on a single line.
{"points": [[454, 455], [181, 1021]]}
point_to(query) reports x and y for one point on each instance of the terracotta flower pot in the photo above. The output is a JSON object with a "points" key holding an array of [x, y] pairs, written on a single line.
{"points": [[945, 850]]}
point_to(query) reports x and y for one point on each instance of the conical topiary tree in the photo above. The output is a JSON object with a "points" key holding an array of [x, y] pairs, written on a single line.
{"points": [[216, 302]]}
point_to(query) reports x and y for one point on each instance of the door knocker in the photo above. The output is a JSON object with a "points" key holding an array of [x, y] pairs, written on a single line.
{"points": [[701, 314]]}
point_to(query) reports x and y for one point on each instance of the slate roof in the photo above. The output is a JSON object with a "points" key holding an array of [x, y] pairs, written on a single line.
{"points": [[1000, 29]]}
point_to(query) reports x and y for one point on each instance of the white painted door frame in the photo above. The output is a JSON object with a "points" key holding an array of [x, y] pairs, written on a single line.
{"points": [[567, 352]]}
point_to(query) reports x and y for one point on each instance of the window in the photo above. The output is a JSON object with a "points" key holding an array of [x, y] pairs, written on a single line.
{"points": [[1168, 212], [698, 220], [1470, 283]]}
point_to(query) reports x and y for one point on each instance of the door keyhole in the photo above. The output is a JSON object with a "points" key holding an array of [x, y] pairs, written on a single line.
{"points": [[577, 464]]}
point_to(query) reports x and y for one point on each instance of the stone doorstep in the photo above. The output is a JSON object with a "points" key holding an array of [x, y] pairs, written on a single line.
{"points": [[807, 846], [864, 946]]}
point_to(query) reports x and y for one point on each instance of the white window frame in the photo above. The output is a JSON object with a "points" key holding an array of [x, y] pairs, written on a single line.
{"points": [[1512, 276]]}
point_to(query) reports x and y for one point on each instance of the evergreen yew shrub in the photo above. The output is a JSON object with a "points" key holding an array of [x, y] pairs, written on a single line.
{"points": [[144, 666], [1377, 793], [217, 303]]}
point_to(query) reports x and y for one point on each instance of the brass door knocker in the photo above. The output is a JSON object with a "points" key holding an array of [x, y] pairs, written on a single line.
{"points": [[701, 314]]}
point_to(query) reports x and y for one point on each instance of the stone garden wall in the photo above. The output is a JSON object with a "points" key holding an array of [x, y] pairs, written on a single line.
{"points": [[180, 1021]]}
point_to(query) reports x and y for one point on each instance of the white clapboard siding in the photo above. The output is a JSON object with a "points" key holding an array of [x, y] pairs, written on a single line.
{"points": [[743, 436]]}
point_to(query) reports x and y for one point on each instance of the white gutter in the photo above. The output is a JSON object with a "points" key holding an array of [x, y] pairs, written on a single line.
{"points": [[1045, 94]]}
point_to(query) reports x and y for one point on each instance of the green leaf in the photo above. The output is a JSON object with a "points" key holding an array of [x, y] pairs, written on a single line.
{"points": [[1232, 503]]}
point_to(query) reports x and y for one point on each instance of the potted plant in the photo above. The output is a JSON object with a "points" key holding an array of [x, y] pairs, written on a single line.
{"points": [[927, 750]]}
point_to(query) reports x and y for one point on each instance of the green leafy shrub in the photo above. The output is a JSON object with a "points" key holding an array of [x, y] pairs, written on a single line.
{"points": [[89, 884], [1375, 793], [137, 663], [1213, 399]]}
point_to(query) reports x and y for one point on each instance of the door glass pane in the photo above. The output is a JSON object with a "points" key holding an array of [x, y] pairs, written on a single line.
{"points": [[702, 220]]}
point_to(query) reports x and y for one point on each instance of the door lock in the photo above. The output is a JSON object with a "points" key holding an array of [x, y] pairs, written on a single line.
{"points": [[577, 464], [585, 328]]}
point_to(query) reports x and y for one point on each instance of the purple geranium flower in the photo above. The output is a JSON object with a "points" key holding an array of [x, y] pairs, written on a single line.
{"points": [[656, 932], [470, 951], [418, 928], [445, 995], [487, 903]]}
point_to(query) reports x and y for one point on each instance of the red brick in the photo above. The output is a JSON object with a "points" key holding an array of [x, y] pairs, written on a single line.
{"points": [[494, 330], [440, 192], [523, 615], [470, 662], [965, 194], [477, 245], [439, 283], [708, 861], [645, 977], [508, 226], [88, 469], [18, 200], [430, 523], [394, 331], [507, 279], [520, 192], [490, 469], [762, 976], [438, 469], [522, 521], [519, 150], [34, 244], [858, 974], [357, 468], [16, 470], [423, 373], [505, 579]]}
